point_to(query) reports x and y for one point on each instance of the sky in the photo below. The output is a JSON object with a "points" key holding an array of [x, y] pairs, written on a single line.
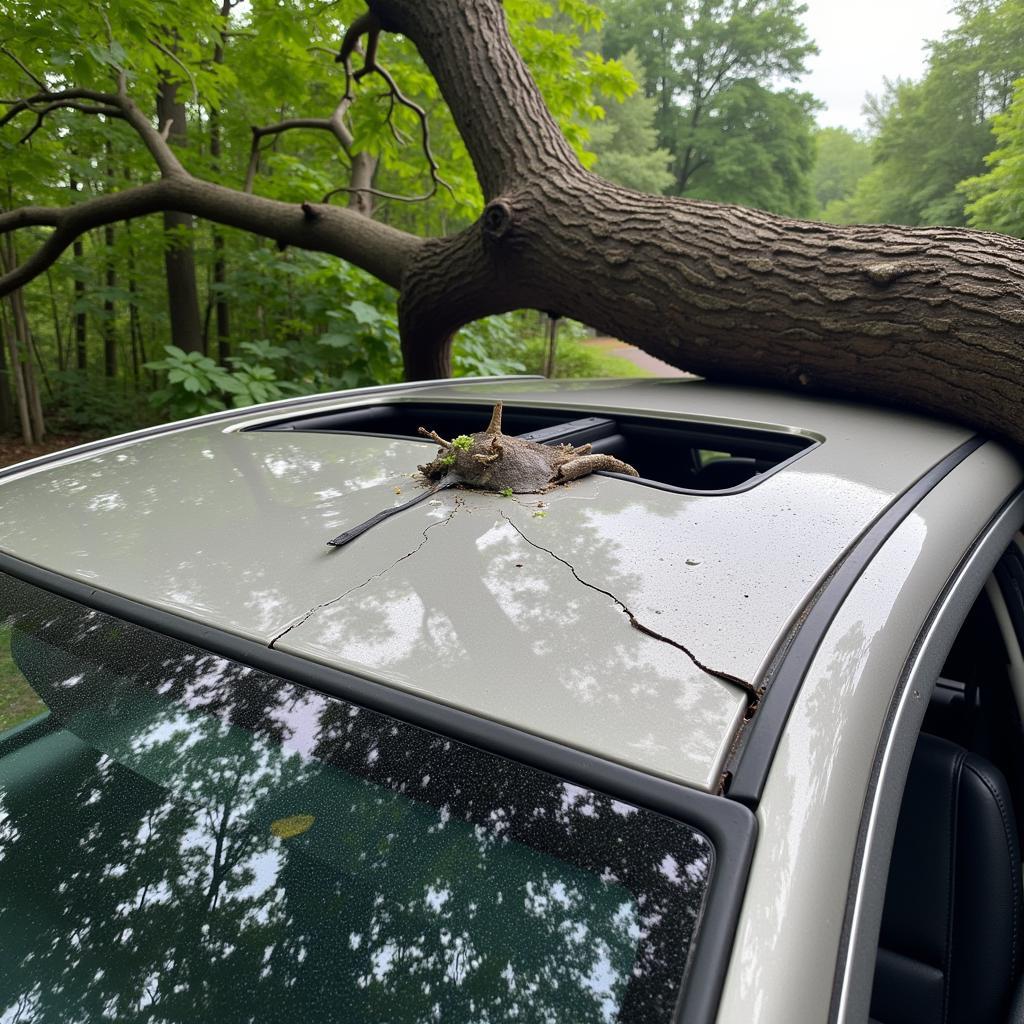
{"points": [[862, 42]]}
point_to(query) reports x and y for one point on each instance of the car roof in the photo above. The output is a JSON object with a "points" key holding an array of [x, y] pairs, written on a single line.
{"points": [[591, 620]]}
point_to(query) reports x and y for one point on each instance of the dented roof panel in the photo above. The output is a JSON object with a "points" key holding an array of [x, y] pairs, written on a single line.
{"points": [[477, 600]]}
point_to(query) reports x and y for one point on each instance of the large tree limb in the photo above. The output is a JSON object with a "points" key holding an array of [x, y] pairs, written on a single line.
{"points": [[923, 318], [381, 250]]}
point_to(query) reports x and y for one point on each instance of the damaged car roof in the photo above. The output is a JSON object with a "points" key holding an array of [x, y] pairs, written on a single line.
{"points": [[628, 620]]}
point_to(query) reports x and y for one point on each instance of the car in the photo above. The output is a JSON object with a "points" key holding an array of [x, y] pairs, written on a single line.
{"points": [[737, 739]]}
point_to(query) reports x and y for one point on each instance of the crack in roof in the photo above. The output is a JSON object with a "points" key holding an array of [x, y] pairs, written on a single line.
{"points": [[753, 692], [376, 576]]}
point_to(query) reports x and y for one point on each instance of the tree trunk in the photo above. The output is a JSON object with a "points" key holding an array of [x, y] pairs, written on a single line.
{"points": [[221, 309], [364, 167], [16, 332], [21, 395], [6, 400], [928, 318], [81, 321], [109, 327], [179, 254], [110, 282], [58, 334], [922, 318]]}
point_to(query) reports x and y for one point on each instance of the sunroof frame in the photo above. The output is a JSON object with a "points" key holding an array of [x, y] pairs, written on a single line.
{"points": [[607, 431]]}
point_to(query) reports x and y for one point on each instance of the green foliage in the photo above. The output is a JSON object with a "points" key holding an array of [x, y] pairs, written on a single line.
{"points": [[463, 442], [763, 151], [931, 135], [360, 347], [842, 158], [95, 405], [716, 70], [996, 198], [298, 321], [625, 142], [194, 383]]}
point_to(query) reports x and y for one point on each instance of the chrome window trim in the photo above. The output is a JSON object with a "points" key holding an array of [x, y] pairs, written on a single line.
{"points": [[855, 965]]}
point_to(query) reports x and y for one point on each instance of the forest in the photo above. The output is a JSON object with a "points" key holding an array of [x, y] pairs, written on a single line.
{"points": [[166, 315]]}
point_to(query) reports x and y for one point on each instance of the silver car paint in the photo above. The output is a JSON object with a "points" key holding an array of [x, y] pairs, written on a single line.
{"points": [[228, 527], [784, 955]]}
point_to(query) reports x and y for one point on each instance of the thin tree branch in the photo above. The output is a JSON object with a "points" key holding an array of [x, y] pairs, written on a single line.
{"points": [[158, 147], [397, 96], [185, 70], [67, 105], [379, 249], [39, 83], [335, 124], [31, 103]]}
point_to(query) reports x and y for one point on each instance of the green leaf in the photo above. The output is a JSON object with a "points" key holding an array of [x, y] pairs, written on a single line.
{"points": [[364, 313]]}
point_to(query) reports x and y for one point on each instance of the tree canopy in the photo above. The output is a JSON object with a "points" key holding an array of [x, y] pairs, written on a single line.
{"points": [[931, 135], [714, 69]]}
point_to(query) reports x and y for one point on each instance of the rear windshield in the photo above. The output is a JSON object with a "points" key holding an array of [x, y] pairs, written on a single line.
{"points": [[184, 838]]}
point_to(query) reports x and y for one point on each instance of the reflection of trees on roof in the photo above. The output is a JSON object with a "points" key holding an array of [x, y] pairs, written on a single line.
{"points": [[416, 877]]}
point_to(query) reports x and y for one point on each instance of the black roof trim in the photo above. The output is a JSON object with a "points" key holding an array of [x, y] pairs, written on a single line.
{"points": [[731, 827], [749, 764]]}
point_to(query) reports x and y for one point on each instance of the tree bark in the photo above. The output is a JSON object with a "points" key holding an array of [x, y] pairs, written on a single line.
{"points": [[179, 254], [928, 318], [81, 321], [110, 283], [222, 310], [6, 401], [109, 330], [923, 318]]}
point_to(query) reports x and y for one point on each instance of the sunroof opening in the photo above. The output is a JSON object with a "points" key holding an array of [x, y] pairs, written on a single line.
{"points": [[668, 453]]}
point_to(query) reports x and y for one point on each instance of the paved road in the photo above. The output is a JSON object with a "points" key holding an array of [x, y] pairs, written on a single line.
{"points": [[614, 347]]}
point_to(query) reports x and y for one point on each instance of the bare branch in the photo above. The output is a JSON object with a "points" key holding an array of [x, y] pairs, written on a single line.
{"points": [[397, 96], [31, 103], [103, 103], [39, 83], [365, 25], [335, 124], [67, 105], [382, 250]]}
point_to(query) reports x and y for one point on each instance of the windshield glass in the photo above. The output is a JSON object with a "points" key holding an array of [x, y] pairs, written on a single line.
{"points": [[183, 837]]}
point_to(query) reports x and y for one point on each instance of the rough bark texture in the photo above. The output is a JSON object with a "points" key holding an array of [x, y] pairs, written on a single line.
{"points": [[929, 318], [81, 320], [926, 318]]}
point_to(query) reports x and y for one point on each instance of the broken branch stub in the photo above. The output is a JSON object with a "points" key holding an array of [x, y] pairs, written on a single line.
{"points": [[492, 461]]}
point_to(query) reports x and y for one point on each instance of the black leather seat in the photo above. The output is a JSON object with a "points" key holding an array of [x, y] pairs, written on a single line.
{"points": [[951, 936]]}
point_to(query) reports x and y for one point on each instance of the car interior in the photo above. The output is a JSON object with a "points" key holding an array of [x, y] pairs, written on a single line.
{"points": [[952, 944]]}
